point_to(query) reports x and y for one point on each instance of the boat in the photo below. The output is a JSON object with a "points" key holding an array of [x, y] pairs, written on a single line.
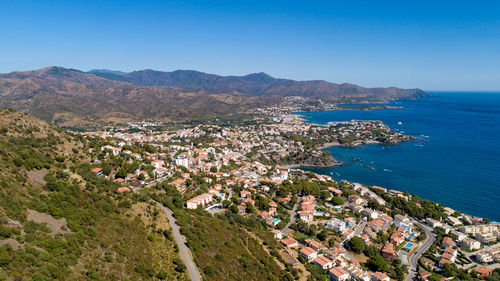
{"points": [[400, 123]]}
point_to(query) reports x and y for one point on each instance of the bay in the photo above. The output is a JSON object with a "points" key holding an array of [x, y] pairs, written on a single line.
{"points": [[456, 160]]}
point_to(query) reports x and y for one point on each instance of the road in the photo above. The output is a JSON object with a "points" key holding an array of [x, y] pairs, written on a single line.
{"points": [[183, 249], [358, 229], [293, 214], [412, 274]]}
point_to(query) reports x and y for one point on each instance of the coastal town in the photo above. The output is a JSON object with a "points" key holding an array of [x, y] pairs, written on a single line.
{"points": [[326, 227]]}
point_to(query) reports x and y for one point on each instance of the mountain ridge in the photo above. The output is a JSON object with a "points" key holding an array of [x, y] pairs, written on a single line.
{"points": [[74, 98]]}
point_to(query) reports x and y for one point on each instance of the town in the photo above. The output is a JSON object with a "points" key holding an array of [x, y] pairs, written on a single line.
{"points": [[325, 227]]}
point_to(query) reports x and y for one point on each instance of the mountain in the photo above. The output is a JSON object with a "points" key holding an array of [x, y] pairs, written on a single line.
{"points": [[70, 97], [263, 84], [60, 221]]}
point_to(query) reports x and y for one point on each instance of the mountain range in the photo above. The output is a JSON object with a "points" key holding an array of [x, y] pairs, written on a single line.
{"points": [[71, 97]]}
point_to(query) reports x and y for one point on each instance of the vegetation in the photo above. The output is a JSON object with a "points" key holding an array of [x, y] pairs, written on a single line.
{"points": [[62, 221]]}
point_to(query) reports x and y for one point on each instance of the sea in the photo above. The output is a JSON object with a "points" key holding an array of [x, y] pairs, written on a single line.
{"points": [[454, 161]]}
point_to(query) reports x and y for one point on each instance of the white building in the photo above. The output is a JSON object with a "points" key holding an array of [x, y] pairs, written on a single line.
{"points": [[336, 224]]}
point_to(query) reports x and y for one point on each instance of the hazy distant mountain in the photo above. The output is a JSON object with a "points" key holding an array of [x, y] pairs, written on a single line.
{"points": [[75, 98], [262, 84]]}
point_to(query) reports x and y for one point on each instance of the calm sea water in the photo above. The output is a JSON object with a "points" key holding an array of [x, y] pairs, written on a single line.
{"points": [[458, 166]]}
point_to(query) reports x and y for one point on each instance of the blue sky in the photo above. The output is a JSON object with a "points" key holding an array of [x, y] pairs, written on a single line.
{"points": [[433, 45]]}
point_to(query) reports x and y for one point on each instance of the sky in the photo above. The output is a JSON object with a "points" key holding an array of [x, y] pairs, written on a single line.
{"points": [[432, 45]]}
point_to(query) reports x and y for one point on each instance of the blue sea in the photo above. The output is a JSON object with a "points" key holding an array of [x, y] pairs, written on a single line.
{"points": [[457, 165]]}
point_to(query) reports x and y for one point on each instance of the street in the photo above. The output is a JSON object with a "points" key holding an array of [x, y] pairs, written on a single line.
{"points": [[417, 254], [183, 249]]}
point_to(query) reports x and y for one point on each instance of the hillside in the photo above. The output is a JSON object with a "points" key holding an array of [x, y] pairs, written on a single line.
{"points": [[74, 98], [59, 221]]}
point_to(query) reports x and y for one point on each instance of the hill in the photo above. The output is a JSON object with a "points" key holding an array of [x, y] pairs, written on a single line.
{"points": [[259, 84], [59, 221], [74, 98]]}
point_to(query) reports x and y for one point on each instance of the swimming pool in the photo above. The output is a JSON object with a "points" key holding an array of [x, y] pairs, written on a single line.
{"points": [[409, 245], [319, 213], [412, 234]]}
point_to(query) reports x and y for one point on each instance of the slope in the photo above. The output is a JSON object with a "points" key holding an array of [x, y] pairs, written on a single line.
{"points": [[59, 221]]}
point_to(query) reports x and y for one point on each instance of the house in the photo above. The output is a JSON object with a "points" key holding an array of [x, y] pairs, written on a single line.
{"points": [[305, 216], [157, 163], [336, 224], [454, 221], [483, 271], [273, 211], [244, 193], [119, 180], [486, 238], [314, 244], [424, 275], [289, 242], [369, 213], [308, 253], [335, 191], [277, 234], [97, 171], [355, 199], [470, 243], [396, 238], [202, 199], [380, 276], [388, 252], [447, 242], [448, 256], [242, 209], [432, 222], [459, 236], [263, 215], [123, 189], [442, 262], [402, 221], [323, 262], [338, 274]]}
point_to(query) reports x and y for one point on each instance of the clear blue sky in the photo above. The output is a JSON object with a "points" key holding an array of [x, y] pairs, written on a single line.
{"points": [[434, 45]]}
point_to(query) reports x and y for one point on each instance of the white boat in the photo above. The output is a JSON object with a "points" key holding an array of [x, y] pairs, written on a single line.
{"points": [[400, 123]]}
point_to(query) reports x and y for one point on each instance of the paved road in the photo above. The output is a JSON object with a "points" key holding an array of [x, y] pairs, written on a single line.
{"points": [[293, 214], [358, 229], [417, 254], [183, 249]]}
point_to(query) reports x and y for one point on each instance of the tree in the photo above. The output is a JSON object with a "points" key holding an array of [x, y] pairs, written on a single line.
{"points": [[122, 173], [338, 200], [377, 263], [213, 169], [356, 245]]}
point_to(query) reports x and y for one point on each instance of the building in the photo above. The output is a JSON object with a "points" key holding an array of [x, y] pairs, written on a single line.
{"points": [[402, 221], [380, 276], [486, 238], [483, 271], [202, 199], [470, 244], [314, 244], [447, 242], [97, 171], [433, 223], [336, 224], [388, 252], [323, 262], [289, 242], [308, 253], [277, 234], [338, 274]]}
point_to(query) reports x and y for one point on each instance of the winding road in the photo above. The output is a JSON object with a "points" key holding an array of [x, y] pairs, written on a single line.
{"points": [[412, 274], [183, 249]]}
